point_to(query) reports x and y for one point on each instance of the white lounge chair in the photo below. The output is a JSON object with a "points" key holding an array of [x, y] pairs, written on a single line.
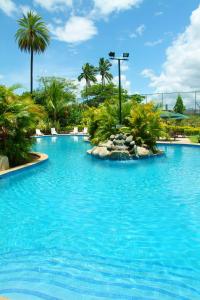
{"points": [[38, 132], [75, 131], [53, 131], [85, 130]]}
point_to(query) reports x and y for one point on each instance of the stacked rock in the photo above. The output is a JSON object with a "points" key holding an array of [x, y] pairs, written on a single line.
{"points": [[119, 147]]}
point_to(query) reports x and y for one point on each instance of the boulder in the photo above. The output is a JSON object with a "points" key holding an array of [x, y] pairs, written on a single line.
{"points": [[119, 136], [112, 137], [121, 148], [100, 152], [132, 144], [141, 151], [118, 142], [4, 163], [128, 140], [103, 152], [106, 144], [119, 155], [89, 151]]}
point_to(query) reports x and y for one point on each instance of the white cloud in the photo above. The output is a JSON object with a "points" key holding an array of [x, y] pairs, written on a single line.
{"points": [[124, 65], [158, 13], [138, 32], [181, 68], [75, 30], [52, 5], [106, 7], [126, 84], [8, 7], [154, 43], [25, 8]]}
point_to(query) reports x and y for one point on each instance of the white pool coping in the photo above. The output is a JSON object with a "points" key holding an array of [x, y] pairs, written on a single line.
{"points": [[40, 157]]}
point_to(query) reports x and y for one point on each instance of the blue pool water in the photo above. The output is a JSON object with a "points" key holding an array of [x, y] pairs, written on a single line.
{"points": [[80, 228]]}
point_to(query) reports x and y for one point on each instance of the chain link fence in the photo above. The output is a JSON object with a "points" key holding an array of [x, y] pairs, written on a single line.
{"points": [[167, 101]]}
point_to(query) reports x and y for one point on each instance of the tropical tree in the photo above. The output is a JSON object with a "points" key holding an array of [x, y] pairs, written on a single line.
{"points": [[19, 116], [104, 68], [33, 37], [97, 93], [179, 106], [56, 94], [89, 74]]}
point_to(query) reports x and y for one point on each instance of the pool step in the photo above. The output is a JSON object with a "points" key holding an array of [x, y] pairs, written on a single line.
{"points": [[67, 275]]}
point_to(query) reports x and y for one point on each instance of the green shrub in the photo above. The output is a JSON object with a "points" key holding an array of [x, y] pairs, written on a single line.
{"points": [[18, 119], [182, 130]]}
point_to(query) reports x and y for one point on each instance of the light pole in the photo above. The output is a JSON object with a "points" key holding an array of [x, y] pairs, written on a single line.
{"points": [[119, 59]]}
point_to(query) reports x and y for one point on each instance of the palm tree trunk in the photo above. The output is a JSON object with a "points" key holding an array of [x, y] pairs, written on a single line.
{"points": [[31, 72]]}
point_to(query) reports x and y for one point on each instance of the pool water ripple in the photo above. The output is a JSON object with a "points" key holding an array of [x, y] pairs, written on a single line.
{"points": [[80, 228]]}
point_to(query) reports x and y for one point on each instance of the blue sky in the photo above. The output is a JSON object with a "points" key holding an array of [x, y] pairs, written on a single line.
{"points": [[158, 34]]}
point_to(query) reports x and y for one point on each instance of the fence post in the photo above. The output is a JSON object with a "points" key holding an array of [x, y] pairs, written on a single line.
{"points": [[195, 103]]}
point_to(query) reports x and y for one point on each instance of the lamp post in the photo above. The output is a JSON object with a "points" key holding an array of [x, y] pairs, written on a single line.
{"points": [[119, 59]]}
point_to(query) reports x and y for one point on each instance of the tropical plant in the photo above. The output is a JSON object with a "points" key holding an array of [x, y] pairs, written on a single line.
{"points": [[146, 124], [179, 106], [56, 94], [104, 68], [18, 118], [33, 37], [96, 94], [102, 121], [89, 74]]}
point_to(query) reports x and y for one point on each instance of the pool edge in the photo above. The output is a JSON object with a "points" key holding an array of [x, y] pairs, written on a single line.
{"points": [[41, 157]]}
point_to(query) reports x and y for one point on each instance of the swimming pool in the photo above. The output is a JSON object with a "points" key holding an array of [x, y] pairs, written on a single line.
{"points": [[80, 228]]}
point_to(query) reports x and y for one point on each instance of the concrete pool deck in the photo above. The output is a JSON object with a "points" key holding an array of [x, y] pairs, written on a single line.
{"points": [[179, 141]]}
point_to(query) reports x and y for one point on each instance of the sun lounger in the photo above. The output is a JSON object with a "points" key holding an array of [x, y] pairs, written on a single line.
{"points": [[53, 131], [38, 132]]}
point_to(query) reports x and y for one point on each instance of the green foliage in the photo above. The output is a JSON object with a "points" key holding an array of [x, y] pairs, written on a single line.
{"points": [[74, 114], [102, 121], [179, 106], [18, 118], [56, 95], [137, 98], [141, 120], [146, 124], [174, 130], [33, 34], [97, 93], [195, 138]]}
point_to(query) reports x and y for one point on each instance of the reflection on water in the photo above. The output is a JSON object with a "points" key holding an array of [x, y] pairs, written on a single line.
{"points": [[54, 139], [75, 138]]}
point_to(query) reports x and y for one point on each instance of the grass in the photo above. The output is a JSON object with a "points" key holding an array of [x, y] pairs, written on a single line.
{"points": [[194, 138]]}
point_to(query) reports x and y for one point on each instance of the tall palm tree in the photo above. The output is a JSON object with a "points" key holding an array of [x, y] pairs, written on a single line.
{"points": [[104, 67], [33, 37], [89, 74]]}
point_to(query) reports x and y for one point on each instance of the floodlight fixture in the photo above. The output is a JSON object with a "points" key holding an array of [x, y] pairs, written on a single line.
{"points": [[112, 54], [126, 55]]}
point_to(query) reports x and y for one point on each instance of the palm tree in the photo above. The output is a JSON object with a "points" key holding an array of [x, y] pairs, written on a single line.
{"points": [[89, 74], [104, 67], [33, 37]]}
